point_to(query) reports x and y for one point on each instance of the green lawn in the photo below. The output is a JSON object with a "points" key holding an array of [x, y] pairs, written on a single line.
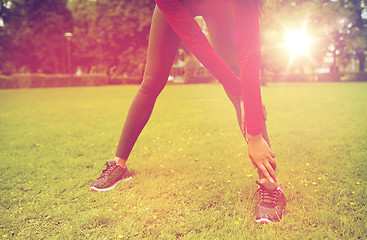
{"points": [[193, 179]]}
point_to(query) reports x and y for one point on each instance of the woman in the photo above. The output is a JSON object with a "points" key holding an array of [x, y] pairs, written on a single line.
{"points": [[234, 51]]}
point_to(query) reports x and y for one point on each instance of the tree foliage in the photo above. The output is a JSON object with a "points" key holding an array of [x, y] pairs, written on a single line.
{"points": [[31, 35], [107, 34], [111, 36], [336, 27]]}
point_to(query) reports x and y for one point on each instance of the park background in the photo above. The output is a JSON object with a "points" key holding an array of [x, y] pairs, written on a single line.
{"points": [[98, 42], [193, 177]]}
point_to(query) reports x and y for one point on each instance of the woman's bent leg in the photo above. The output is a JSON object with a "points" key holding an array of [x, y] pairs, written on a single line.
{"points": [[222, 32], [221, 28], [162, 49]]}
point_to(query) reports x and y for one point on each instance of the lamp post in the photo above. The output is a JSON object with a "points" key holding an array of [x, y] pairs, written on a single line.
{"points": [[68, 37]]}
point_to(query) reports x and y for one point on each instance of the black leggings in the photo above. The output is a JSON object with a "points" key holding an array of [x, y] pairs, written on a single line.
{"points": [[162, 49]]}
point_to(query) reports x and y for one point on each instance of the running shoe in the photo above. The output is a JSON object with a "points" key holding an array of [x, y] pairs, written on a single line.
{"points": [[111, 175], [271, 204]]}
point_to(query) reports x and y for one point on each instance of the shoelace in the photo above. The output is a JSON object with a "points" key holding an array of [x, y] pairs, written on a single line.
{"points": [[268, 197], [109, 169]]}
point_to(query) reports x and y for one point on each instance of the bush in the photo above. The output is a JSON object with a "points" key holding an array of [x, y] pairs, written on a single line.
{"points": [[44, 80], [361, 77], [3, 81], [265, 78], [329, 77], [201, 79], [194, 72], [286, 77], [326, 77], [124, 80]]}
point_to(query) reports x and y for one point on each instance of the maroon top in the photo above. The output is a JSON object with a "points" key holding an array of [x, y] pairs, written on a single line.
{"points": [[248, 46]]}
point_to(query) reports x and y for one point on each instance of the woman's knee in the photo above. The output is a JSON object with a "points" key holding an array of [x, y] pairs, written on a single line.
{"points": [[153, 84]]}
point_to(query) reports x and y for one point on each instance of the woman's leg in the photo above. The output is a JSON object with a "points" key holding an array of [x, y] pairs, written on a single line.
{"points": [[222, 38], [221, 28], [162, 49]]}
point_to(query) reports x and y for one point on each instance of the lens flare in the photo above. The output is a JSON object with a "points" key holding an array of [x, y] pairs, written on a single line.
{"points": [[297, 42]]}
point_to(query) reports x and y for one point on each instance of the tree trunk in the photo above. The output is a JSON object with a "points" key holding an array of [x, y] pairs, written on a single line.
{"points": [[334, 68], [362, 60]]}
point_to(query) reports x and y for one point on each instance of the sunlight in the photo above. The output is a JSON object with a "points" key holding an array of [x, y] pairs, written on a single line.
{"points": [[299, 45], [297, 42]]}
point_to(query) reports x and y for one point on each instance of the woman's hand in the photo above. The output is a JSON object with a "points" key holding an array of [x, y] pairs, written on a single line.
{"points": [[261, 156]]}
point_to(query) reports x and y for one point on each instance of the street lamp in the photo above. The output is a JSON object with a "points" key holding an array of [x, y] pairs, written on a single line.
{"points": [[68, 36]]}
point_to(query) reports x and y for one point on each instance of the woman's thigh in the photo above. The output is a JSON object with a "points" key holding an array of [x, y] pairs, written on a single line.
{"points": [[162, 49], [222, 32]]}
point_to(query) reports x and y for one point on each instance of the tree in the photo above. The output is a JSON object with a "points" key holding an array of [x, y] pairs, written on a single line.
{"points": [[32, 33], [337, 27], [345, 30], [333, 25], [357, 39], [12, 19], [283, 18], [111, 34]]}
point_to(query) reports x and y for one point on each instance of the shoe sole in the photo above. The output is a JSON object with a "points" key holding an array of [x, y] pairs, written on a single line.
{"points": [[263, 221], [266, 221], [94, 189]]}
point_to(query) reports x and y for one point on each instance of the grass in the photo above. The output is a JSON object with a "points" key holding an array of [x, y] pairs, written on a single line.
{"points": [[193, 177]]}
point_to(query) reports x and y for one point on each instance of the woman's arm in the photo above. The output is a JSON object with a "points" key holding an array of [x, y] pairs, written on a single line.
{"points": [[249, 54], [247, 16], [247, 26]]}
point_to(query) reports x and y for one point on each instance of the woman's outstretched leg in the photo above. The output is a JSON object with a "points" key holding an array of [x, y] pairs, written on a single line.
{"points": [[162, 49]]}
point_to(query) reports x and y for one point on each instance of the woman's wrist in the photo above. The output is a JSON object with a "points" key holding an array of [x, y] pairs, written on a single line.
{"points": [[254, 138]]}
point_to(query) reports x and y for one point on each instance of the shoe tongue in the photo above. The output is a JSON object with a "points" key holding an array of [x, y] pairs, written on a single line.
{"points": [[112, 163], [269, 186]]}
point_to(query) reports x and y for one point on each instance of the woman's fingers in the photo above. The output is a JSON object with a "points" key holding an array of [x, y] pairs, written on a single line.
{"points": [[264, 170], [272, 162], [263, 158], [271, 153], [268, 170], [271, 171]]}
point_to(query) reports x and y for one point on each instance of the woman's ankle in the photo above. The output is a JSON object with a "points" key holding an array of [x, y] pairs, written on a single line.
{"points": [[262, 180], [120, 161]]}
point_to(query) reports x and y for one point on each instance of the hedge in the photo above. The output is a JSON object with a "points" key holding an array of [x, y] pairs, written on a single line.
{"points": [[126, 80], [361, 76], [324, 77], [329, 77], [44, 80], [286, 77]]}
